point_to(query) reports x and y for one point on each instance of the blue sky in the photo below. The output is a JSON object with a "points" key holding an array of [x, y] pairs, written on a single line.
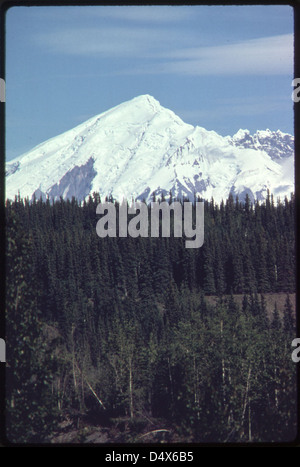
{"points": [[219, 67]]}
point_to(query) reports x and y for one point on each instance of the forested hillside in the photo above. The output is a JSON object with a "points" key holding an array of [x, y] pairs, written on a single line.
{"points": [[123, 328]]}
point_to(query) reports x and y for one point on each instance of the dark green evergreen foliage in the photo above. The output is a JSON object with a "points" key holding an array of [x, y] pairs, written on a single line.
{"points": [[30, 405], [137, 333], [288, 317], [276, 321]]}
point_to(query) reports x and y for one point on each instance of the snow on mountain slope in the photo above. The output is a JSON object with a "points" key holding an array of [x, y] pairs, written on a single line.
{"points": [[140, 147], [277, 144]]}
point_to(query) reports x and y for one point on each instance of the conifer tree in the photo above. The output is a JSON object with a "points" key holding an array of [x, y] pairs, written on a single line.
{"points": [[276, 322], [137, 316], [30, 406], [208, 271], [288, 317]]}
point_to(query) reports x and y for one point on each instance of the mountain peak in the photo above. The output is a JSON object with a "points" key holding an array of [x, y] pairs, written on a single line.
{"points": [[144, 102], [276, 144], [140, 147], [146, 98]]}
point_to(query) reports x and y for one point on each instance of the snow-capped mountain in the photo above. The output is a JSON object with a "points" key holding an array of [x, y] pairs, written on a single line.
{"points": [[277, 144], [140, 147]]}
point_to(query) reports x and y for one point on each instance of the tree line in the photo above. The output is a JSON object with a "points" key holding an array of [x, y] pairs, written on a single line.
{"points": [[122, 327]]}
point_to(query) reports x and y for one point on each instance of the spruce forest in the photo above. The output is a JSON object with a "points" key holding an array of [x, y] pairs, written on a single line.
{"points": [[134, 340]]}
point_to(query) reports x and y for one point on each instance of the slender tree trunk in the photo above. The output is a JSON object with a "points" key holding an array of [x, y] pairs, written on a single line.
{"points": [[77, 395], [196, 397], [246, 398], [171, 380], [223, 364], [58, 395], [130, 389], [82, 393], [249, 422], [275, 389]]}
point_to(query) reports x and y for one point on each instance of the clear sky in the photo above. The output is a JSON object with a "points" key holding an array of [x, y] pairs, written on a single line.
{"points": [[219, 67]]}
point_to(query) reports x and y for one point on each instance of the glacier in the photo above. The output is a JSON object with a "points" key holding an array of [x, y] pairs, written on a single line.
{"points": [[139, 148]]}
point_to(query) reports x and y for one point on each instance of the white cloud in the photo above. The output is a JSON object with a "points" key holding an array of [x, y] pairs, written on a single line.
{"points": [[237, 107], [267, 55], [106, 41], [262, 56], [163, 51], [145, 13], [142, 14]]}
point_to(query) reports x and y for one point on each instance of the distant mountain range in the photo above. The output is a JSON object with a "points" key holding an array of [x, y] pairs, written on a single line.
{"points": [[139, 147]]}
